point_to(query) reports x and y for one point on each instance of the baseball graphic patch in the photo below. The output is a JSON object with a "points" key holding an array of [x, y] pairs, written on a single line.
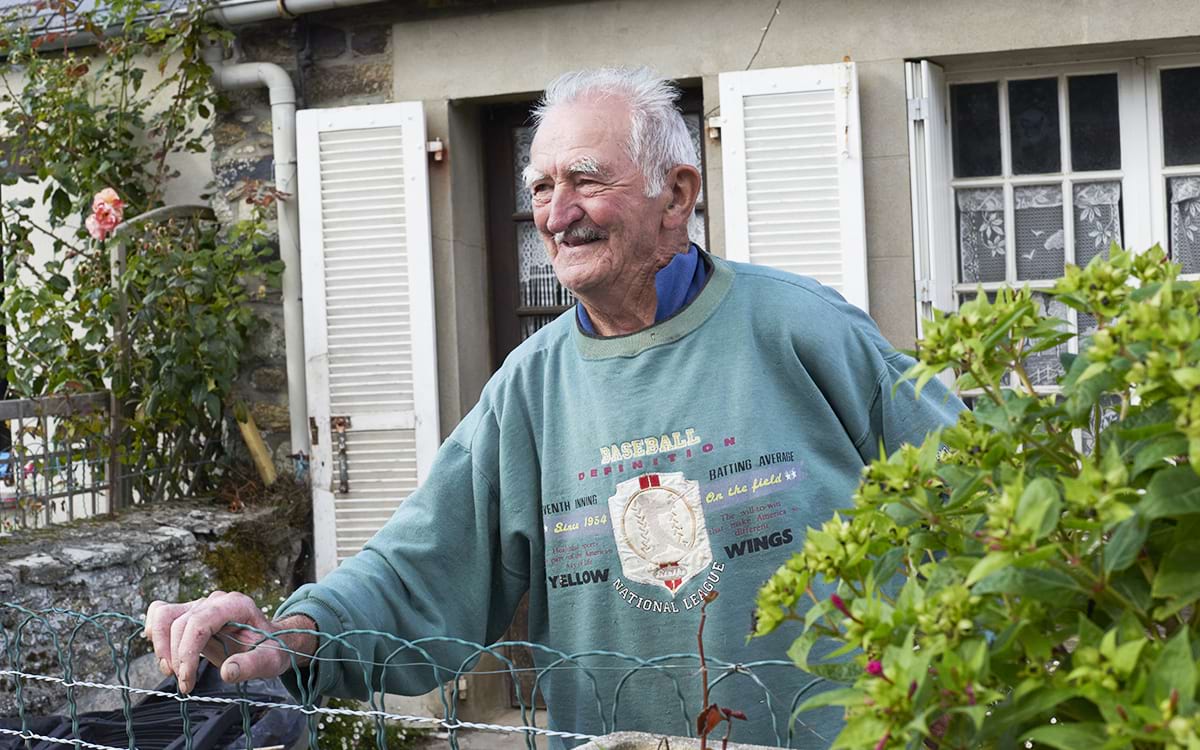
{"points": [[658, 525]]}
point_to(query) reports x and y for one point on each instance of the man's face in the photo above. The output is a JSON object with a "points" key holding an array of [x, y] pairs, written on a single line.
{"points": [[589, 201]]}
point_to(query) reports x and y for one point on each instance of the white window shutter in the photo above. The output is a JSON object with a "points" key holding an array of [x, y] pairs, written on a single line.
{"points": [[792, 161], [929, 167], [368, 315]]}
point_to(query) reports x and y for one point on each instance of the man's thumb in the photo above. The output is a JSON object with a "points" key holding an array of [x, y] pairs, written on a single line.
{"points": [[231, 670]]}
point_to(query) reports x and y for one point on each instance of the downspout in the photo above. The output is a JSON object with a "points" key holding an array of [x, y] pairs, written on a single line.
{"points": [[283, 136]]}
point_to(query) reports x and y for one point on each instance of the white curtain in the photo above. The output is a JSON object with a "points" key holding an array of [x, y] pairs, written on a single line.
{"points": [[1185, 222]]}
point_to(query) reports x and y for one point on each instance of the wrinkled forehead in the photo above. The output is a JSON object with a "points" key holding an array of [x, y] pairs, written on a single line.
{"points": [[589, 136]]}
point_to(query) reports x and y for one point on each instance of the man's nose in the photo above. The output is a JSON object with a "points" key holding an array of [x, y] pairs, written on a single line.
{"points": [[564, 210]]}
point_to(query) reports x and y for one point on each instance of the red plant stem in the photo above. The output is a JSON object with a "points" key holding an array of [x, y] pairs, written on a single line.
{"points": [[703, 669], [728, 731]]}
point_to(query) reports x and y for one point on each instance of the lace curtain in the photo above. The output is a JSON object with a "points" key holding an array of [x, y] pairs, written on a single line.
{"points": [[1097, 219], [981, 234], [1185, 222], [1039, 231]]}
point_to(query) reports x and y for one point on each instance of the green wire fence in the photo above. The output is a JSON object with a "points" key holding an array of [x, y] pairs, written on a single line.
{"points": [[48, 656]]}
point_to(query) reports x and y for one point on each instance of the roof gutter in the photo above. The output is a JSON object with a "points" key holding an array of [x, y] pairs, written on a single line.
{"points": [[238, 12], [229, 13]]}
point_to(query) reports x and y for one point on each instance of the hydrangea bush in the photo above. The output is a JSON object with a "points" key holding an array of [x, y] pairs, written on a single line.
{"points": [[1029, 575]]}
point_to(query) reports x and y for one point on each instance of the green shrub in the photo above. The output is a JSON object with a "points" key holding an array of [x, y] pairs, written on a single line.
{"points": [[1003, 582]]}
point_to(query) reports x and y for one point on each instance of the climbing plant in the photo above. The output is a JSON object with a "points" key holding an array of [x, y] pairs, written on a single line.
{"points": [[96, 128]]}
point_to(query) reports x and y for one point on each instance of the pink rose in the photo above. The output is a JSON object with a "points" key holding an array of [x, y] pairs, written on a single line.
{"points": [[107, 212]]}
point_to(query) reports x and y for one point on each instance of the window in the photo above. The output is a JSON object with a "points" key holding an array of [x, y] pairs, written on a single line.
{"points": [[1049, 166], [1175, 158]]}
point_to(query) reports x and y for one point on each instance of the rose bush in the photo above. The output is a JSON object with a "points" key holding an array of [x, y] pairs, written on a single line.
{"points": [[1031, 573], [86, 127]]}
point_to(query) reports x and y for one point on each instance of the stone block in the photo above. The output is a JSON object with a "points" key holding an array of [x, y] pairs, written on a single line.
{"points": [[269, 379], [346, 82], [370, 41], [228, 134], [233, 172], [269, 42], [268, 343], [270, 417], [326, 42]]}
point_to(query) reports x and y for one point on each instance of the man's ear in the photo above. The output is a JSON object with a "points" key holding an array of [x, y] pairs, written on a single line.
{"points": [[683, 187]]}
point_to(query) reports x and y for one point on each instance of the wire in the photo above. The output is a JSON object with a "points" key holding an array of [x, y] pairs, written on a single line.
{"points": [[761, 39], [449, 725]]}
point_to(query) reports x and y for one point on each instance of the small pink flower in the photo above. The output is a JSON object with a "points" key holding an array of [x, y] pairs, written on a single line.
{"points": [[107, 212], [840, 605], [875, 668]]}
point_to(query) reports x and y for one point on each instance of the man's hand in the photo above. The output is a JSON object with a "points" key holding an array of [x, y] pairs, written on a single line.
{"points": [[182, 633]]}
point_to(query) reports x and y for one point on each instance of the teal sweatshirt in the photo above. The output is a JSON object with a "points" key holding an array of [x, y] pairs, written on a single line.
{"points": [[617, 480]]}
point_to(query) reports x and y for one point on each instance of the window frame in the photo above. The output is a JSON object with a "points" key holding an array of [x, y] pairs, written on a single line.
{"points": [[1159, 173], [1133, 174]]}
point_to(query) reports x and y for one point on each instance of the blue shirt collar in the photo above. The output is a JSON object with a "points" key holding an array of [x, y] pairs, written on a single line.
{"points": [[676, 284]]}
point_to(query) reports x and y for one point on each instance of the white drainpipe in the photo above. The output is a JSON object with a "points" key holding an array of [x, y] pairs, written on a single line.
{"points": [[283, 132]]}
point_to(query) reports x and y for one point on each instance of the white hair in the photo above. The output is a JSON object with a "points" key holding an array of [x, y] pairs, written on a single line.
{"points": [[658, 136]]}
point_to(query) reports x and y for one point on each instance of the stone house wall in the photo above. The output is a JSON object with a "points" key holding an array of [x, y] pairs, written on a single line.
{"points": [[335, 60], [110, 569]]}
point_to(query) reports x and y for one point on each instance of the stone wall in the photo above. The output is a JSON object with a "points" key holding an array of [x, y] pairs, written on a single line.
{"points": [[175, 552], [335, 60]]}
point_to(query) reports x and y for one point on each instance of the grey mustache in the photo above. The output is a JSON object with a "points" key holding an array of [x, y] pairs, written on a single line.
{"points": [[580, 234]]}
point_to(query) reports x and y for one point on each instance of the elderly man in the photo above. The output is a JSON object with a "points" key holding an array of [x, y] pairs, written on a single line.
{"points": [[676, 433]]}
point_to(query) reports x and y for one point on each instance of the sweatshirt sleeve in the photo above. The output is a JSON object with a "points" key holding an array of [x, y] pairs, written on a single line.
{"points": [[898, 415], [437, 568]]}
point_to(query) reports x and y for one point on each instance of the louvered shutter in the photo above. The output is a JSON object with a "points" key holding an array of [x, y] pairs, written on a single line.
{"points": [[792, 172], [368, 316], [929, 165]]}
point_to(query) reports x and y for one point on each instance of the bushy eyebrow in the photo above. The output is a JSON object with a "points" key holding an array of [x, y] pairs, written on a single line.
{"points": [[532, 175], [585, 165]]}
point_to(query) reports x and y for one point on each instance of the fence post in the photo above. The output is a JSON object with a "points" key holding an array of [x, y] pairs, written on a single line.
{"points": [[119, 496]]}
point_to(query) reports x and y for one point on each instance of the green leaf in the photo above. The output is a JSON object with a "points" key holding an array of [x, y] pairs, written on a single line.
{"points": [[798, 651], [1003, 326], [1125, 544], [1019, 709], [887, 565], [990, 563], [60, 203], [1070, 736], [1175, 669], [1039, 507], [837, 697], [58, 283], [1092, 370], [1172, 492], [1047, 585], [837, 671], [1188, 377], [1178, 575], [1157, 452]]}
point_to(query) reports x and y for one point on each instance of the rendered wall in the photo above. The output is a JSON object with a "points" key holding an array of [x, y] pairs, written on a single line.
{"points": [[456, 53]]}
